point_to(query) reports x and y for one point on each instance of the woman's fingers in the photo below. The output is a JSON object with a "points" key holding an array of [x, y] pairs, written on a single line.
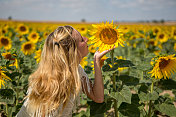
{"points": [[100, 55]]}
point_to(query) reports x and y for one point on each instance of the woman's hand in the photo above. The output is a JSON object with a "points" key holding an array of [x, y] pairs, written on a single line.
{"points": [[98, 55]]}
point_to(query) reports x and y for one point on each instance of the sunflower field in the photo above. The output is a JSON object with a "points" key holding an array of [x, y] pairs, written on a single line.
{"points": [[139, 74]]}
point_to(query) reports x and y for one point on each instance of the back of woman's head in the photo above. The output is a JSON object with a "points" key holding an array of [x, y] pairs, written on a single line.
{"points": [[56, 77]]}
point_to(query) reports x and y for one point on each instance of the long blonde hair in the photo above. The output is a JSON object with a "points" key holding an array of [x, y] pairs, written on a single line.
{"points": [[56, 77]]}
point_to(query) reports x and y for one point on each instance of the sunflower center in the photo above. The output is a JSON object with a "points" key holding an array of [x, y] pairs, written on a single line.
{"points": [[27, 46], [134, 37], [156, 30], [4, 41], [108, 36], [151, 42], [161, 36], [174, 32], [3, 31], [22, 28], [8, 56], [34, 36], [82, 29], [163, 63]]}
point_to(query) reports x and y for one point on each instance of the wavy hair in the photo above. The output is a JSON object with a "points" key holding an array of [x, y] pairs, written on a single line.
{"points": [[56, 77]]}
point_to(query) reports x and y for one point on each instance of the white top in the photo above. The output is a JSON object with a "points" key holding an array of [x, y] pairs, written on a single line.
{"points": [[71, 105]]}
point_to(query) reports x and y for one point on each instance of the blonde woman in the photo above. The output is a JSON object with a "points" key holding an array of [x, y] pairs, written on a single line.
{"points": [[55, 86]]}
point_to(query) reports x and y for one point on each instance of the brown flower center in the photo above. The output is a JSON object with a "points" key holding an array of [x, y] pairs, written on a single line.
{"points": [[34, 36], [22, 28], [156, 30], [8, 56], [3, 31], [161, 36], [82, 29], [108, 36], [151, 43], [174, 32], [4, 41], [163, 63], [27, 46]]}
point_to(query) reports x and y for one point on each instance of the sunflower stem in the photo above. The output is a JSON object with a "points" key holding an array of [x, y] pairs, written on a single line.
{"points": [[142, 76], [150, 102], [152, 86], [7, 110], [114, 83]]}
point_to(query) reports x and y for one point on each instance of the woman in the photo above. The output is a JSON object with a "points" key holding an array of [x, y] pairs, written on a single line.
{"points": [[55, 86]]}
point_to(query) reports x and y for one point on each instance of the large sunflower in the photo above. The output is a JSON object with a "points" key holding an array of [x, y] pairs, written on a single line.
{"points": [[3, 77], [33, 37], [106, 36], [163, 66], [28, 48], [5, 42]]}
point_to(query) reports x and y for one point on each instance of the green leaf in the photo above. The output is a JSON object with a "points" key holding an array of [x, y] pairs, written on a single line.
{"points": [[6, 95], [99, 108], [167, 84], [106, 68], [148, 96], [88, 69], [123, 63], [123, 96], [129, 110], [168, 109], [128, 80]]}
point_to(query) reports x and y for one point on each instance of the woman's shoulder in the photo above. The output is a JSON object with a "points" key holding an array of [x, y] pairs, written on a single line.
{"points": [[81, 71]]}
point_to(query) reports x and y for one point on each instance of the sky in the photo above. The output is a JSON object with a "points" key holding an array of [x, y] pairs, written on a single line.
{"points": [[90, 10]]}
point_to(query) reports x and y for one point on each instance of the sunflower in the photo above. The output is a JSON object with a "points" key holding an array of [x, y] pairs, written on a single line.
{"points": [[45, 34], [162, 37], [5, 42], [83, 62], [3, 31], [133, 37], [3, 77], [38, 55], [152, 43], [175, 46], [163, 66], [125, 29], [106, 36], [173, 33], [22, 29], [157, 52], [33, 37], [83, 30], [28, 48], [92, 49], [156, 30], [9, 56]]}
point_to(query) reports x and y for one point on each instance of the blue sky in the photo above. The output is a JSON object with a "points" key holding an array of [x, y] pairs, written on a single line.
{"points": [[90, 10]]}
